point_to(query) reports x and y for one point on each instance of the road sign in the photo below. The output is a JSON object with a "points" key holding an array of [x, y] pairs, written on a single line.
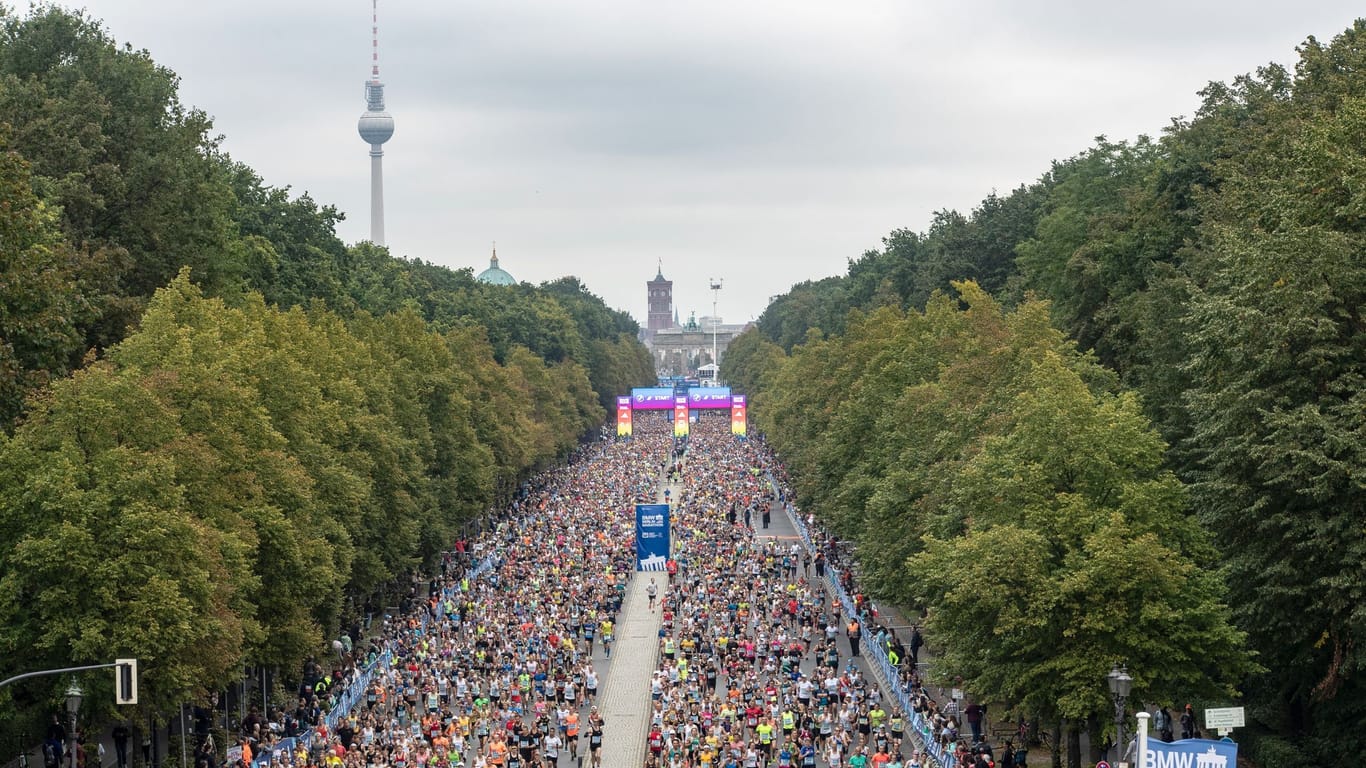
{"points": [[1102, 764], [1224, 719], [957, 694]]}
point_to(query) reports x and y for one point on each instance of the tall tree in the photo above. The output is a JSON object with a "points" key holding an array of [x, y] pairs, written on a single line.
{"points": [[104, 555], [115, 151], [1278, 372], [46, 289]]}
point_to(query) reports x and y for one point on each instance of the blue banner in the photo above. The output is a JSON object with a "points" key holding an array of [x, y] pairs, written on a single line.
{"points": [[709, 397], [652, 536], [652, 398], [1191, 753]]}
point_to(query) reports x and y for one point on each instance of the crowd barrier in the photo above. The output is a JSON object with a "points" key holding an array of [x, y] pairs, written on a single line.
{"points": [[874, 653]]}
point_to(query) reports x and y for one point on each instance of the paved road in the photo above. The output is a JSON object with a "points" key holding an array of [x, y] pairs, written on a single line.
{"points": [[626, 693]]}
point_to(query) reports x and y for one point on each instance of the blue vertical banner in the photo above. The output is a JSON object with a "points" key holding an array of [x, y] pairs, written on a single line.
{"points": [[1191, 753], [652, 536]]}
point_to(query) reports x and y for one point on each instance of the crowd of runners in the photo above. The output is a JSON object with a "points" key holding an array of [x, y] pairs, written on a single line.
{"points": [[501, 671], [758, 667]]}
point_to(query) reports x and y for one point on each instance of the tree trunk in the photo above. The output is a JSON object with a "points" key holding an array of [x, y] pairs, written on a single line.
{"points": [[1056, 745], [1073, 745], [1096, 740]]}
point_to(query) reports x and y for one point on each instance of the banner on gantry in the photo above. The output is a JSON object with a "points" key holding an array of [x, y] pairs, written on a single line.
{"points": [[680, 416], [700, 398], [652, 537], [737, 416], [652, 398], [624, 416]]}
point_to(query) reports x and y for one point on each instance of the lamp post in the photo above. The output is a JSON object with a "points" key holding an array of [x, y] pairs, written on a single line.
{"points": [[73, 705], [1142, 756], [1120, 685], [715, 323]]}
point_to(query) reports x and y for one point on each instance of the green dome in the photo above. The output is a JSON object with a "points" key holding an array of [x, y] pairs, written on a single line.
{"points": [[494, 275]]}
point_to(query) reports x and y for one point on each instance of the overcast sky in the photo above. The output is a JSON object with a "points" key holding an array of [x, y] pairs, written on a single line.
{"points": [[764, 142]]}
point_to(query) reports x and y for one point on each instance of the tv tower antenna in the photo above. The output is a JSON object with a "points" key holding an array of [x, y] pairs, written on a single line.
{"points": [[374, 40], [376, 127]]}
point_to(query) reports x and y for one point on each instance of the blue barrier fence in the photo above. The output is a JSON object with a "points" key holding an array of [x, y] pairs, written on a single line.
{"points": [[875, 653]]}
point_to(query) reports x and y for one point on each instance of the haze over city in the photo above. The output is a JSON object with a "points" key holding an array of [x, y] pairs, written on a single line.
{"points": [[765, 142]]}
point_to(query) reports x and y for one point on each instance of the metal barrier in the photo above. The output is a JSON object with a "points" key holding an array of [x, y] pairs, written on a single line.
{"points": [[880, 665]]}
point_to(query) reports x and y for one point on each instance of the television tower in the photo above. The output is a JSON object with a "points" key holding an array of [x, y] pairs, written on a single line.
{"points": [[375, 126]]}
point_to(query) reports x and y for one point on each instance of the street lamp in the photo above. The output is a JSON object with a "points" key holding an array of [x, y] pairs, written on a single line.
{"points": [[715, 322], [1120, 685], [73, 705]]}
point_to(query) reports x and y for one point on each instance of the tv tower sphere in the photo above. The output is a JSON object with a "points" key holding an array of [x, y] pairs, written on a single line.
{"points": [[376, 127]]}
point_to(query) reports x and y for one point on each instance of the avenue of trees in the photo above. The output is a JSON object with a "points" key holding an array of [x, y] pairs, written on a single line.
{"points": [[1196, 442], [222, 430]]}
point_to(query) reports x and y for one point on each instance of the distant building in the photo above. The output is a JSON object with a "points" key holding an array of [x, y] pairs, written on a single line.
{"points": [[495, 275], [660, 297], [680, 350]]}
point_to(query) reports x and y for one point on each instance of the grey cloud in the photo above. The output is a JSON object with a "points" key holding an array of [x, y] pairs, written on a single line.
{"points": [[765, 141]]}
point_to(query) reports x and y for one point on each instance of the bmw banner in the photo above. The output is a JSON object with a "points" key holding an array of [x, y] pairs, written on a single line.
{"points": [[652, 536], [1191, 753]]}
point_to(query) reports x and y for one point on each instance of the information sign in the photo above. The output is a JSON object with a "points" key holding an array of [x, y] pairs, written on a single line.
{"points": [[1224, 718]]}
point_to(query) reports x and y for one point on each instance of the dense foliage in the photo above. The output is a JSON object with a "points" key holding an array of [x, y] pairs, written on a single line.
{"points": [[222, 430], [1219, 272], [1014, 490], [213, 489]]}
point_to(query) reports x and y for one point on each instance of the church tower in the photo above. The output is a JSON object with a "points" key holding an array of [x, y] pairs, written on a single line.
{"points": [[660, 295]]}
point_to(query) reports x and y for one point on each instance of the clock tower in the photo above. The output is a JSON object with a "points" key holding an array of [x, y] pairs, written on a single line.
{"points": [[660, 297]]}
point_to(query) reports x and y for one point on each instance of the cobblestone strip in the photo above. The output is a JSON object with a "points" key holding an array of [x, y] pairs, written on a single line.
{"points": [[635, 655], [626, 696]]}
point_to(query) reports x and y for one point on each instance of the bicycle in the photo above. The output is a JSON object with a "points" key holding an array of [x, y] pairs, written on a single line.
{"points": [[1030, 733]]}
